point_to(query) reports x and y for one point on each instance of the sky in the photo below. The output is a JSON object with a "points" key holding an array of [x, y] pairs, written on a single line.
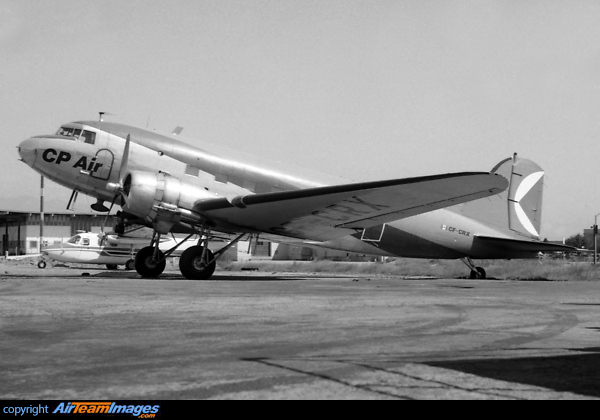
{"points": [[361, 89]]}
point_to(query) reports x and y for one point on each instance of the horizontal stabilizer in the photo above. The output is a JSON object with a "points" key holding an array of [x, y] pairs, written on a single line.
{"points": [[330, 212], [518, 245]]}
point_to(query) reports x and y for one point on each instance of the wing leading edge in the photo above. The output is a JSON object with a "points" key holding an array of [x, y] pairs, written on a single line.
{"points": [[331, 212]]}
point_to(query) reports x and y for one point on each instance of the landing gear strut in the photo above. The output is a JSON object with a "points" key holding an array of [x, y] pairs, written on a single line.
{"points": [[476, 272], [196, 263]]}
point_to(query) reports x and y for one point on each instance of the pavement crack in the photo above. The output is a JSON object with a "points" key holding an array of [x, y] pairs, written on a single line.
{"points": [[323, 376]]}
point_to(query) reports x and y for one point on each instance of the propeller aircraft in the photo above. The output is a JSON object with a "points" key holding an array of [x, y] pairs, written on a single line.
{"points": [[169, 184]]}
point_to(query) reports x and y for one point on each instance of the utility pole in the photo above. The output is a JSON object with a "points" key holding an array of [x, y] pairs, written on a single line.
{"points": [[595, 228], [41, 214]]}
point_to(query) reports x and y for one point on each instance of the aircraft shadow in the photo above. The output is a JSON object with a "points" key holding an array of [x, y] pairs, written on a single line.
{"points": [[177, 276], [578, 374]]}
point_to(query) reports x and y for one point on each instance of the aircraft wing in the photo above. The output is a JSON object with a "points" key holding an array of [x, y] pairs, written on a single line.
{"points": [[507, 244], [330, 212]]}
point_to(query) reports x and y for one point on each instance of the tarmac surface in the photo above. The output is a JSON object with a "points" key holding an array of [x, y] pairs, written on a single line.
{"points": [[81, 334]]}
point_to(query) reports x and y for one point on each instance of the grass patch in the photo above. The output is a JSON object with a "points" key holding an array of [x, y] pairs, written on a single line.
{"points": [[533, 270]]}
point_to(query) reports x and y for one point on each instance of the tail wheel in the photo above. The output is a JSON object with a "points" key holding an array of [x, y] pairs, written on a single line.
{"points": [[42, 264], [478, 273], [145, 264], [193, 267]]}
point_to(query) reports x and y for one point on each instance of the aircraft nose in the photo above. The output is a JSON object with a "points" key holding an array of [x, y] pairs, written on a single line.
{"points": [[28, 151]]}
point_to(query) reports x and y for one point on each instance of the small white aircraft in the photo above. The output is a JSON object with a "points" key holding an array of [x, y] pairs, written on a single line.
{"points": [[109, 249]]}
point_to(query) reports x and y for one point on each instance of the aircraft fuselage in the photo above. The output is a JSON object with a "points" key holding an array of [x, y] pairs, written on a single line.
{"points": [[89, 156]]}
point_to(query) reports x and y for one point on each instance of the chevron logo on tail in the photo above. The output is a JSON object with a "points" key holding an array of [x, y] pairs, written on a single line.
{"points": [[527, 216]]}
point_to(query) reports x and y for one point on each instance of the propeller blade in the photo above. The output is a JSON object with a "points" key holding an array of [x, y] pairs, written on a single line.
{"points": [[125, 160], [117, 187], [108, 214]]}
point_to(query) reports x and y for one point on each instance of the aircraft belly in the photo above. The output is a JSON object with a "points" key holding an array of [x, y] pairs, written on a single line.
{"points": [[404, 244], [446, 234], [491, 251], [352, 244], [439, 234]]}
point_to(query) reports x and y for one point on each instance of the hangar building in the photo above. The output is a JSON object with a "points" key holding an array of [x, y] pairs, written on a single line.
{"points": [[21, 232]]}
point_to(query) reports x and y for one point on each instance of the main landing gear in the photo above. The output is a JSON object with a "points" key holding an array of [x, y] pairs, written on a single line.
{"points": [[150, 261], [476, 272], [196, 263]]}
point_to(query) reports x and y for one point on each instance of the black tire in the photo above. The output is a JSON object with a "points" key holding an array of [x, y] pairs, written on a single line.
{"points": [[192, 267], [478, 273], [130, 265], [111, 266], [42, 264], [119, 228], [145, 264]]}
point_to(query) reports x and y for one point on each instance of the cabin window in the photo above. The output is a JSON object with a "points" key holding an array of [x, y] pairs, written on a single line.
{"points": [[89, 137], [236, 180], [86, 241], [192, 171], [222, 178], [249, 185]]}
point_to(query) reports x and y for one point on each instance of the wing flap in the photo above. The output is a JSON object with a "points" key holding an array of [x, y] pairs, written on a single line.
{"points": [[326, 213]]}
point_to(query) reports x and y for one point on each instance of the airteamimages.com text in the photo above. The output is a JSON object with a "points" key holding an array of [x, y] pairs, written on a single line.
{"points": [[147, 411]]}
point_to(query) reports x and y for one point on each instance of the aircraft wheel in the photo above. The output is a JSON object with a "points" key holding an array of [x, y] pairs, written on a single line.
{"points": [[130, 264], [111, 266], [192, 267], [478, 273], [42, 264], [145, 264]]}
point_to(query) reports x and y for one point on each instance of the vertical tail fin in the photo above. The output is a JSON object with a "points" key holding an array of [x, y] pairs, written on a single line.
{"points": [[525, 197], [519, 208]]}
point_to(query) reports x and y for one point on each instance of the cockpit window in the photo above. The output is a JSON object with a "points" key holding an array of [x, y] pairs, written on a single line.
{"points": [[79, 134], [88, 137], [74, 240], [69, 132]]}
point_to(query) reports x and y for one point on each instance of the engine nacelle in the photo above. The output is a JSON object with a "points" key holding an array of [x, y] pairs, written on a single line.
{"points": [[162, 198]]}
